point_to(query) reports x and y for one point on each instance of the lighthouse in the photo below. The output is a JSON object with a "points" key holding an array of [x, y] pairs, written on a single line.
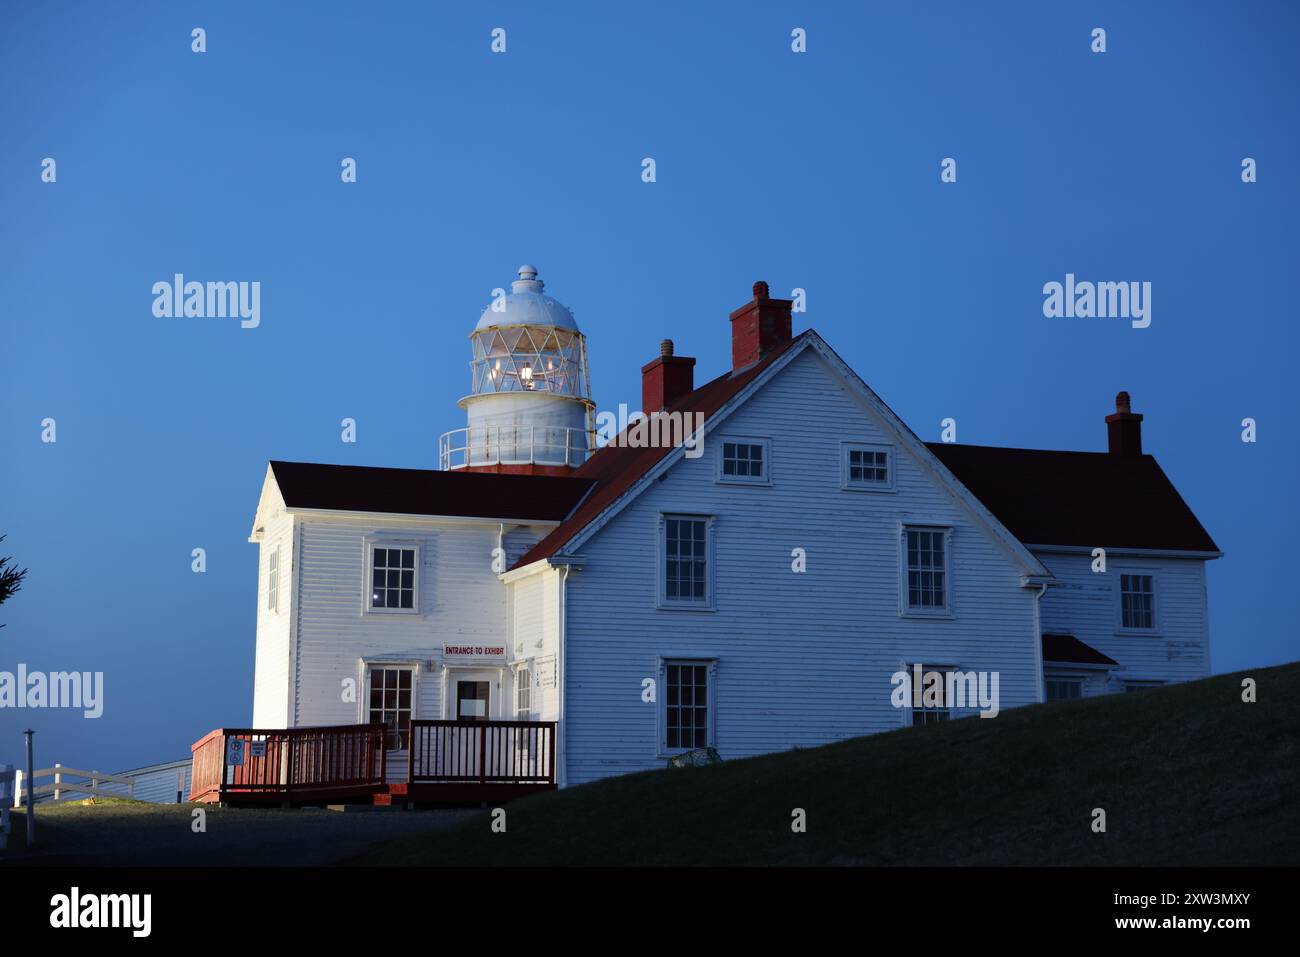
{"points": [[529, 410]]}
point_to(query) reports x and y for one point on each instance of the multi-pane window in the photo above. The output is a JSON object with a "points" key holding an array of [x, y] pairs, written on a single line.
{"points": [[686, 560], [939, 708], [1063, 689], [927, 568], [390, 702], [273, 579], [743, 461], [1137, 601], [393, 578], [523, 693], [687, 709], [868, 467]]}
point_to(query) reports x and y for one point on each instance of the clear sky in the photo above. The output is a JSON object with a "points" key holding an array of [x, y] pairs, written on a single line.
{"points": [[818, 170]]}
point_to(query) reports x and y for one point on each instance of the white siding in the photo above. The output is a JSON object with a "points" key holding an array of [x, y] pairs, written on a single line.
{"points": [[535, 637], [158, 784], [1086, 604], [804, 659], [271, 665], [460, 600]]}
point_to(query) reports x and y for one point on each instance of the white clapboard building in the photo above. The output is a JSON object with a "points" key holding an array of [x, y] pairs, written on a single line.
{"points": [[753, 590]]}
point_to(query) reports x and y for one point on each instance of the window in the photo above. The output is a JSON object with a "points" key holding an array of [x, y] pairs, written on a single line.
{"points": [[941, 708], [273, 579], [1141, 685], [744, 461], [867, 467], [686, 712], [390, 702], [392, 572], [1137, 601], [927, 569], [686, 574], [523, 694], [1063, 689]]}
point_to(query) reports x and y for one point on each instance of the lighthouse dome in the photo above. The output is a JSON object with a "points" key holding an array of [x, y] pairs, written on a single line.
{"points": [[526, 305]]}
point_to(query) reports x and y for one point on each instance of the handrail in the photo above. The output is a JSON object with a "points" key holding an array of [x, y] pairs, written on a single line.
{"points": [[483, 752], [515, 445], [290, 761]]}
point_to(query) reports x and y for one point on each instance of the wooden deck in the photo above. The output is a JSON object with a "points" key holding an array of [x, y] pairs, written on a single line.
{"points": [[447, 762]]}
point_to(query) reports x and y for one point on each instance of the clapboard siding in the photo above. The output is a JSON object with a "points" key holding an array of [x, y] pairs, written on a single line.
{"points": [[460, 598], [535, 638], [1085, 604], [803, 659], [157, 784], [271, 668]]}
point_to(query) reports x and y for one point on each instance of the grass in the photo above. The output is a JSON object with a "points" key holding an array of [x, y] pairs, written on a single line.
{"points": [[1187, 775], [122, 832]]}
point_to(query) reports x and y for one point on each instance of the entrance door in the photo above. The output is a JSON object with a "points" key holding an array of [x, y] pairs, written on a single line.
{"points": [[472, 700]]}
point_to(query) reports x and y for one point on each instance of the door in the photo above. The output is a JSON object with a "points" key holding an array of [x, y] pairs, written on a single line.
{"points": [[468, 743], [472, 700]]}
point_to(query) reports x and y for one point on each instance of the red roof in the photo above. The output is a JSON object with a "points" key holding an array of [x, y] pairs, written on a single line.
{"points": [[1068, 649], [1043, 497], [355, 488], [616, 468], [1078, 498]]}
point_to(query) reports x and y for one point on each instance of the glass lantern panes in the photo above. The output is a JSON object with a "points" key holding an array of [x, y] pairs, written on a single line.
{"points": [[529, 359]]}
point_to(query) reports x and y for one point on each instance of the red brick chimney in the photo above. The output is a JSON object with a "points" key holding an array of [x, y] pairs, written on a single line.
{"points": [[758, 327], [1124, 428], [666, 379]]}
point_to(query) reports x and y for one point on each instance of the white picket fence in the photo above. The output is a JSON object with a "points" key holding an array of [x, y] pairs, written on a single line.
{"points": [[61, 788], [7, 776]]}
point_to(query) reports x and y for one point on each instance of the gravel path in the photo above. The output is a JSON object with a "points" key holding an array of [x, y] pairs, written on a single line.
{"points": [[161, 834]]}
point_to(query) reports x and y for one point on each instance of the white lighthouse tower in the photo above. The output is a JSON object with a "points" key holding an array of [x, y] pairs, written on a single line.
{"points": [[529, 409]]}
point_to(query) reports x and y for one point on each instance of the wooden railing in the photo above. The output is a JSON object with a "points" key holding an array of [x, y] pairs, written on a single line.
{"points": [[287, 763], [486, 752]]}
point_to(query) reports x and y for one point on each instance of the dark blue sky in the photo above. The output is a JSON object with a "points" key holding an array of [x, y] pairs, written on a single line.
{"points": [[818, 170]]}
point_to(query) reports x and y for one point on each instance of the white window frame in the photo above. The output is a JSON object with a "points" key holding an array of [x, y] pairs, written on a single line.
{"points": [[523, 683], [273, 580], [849, 485], [946, 709], [1120, 627], [371, 543], [904, 608], [762, 442], [1080, 680], [368, 668], [662, 601], [711, 703]]}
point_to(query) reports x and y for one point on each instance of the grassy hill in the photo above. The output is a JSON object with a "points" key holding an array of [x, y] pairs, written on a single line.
{"points": [[1187, 774]]}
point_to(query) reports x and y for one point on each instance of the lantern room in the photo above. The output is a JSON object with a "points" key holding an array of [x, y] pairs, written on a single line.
{"points": [[529, 407]]}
